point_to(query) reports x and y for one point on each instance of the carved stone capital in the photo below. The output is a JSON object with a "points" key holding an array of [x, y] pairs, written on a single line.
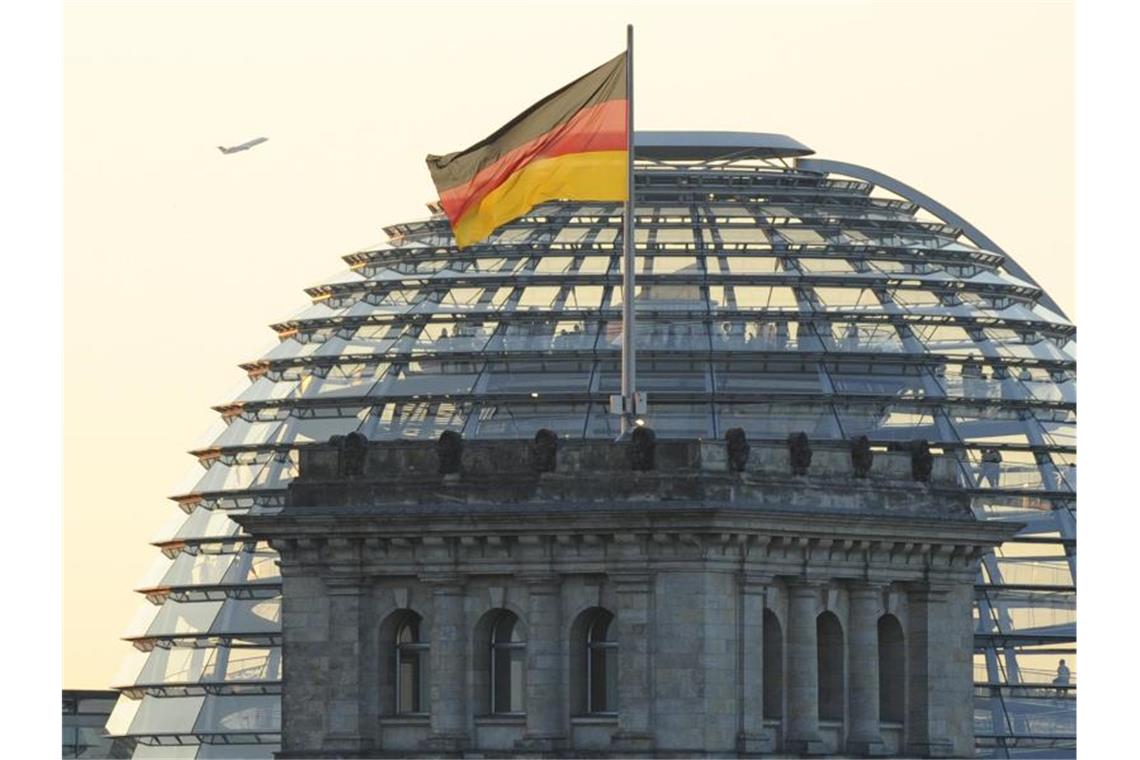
{"points": [[755, 583]]}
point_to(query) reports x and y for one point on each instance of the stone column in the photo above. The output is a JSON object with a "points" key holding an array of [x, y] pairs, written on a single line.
{"points": [[926, 655], [635, 733], [546, 714], [348, 729], [802, 717], [448, 665], [752, 738], [863, 668]]}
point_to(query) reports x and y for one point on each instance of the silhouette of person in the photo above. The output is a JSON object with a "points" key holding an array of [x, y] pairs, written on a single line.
{"points": [[1062, 678], [991, 466]]}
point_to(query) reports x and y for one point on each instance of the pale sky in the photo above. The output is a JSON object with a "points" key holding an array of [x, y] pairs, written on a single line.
{"points": [[177, 258]]}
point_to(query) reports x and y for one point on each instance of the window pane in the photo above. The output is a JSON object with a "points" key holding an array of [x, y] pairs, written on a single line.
{"points": [[510, 679], [414, 680], [518, 680], [603, 678]]}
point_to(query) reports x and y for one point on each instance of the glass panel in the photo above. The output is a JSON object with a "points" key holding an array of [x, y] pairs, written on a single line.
{"points": [[207, 523], [122, 716], [675, 237], [655, 335], [415, 680], [658, 375], [537, 297], [671, 264], [245, 714], [863, 337], [517, 659], [184, 618], [249, 616], [895, 422], [429, 378], [584, 297], [166, 715], [765, 298], [742, 234], [801, 235], [892, 381], [661, 296], [254, 567], [743, 376], [439, 336], [251, 664], [523, 420], [750, 264], [414, 419], [538, 376], [603, 672], [548, 335], [849, 299], [174, 665], [673, 420], [776, 421], [508, 656]]}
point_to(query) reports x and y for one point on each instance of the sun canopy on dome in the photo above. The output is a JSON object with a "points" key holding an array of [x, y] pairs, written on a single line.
{"points": [[710, 146]]}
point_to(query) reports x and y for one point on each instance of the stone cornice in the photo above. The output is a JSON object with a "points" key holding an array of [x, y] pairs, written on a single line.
{"points": [[857, 552], [706, 527]]}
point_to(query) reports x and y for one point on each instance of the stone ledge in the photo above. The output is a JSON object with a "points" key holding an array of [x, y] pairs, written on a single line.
{"points": [[399, 476], [594, 720], [399, 460], [507, 719]]}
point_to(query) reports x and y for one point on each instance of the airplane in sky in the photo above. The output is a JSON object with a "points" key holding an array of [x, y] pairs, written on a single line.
{"points": [[243, 146]]}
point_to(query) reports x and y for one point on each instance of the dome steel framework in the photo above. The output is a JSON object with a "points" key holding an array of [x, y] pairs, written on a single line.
{"points": [[776, 292]]}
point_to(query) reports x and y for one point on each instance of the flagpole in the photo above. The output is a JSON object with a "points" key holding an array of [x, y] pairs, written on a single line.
{"points": [[628, 332]]}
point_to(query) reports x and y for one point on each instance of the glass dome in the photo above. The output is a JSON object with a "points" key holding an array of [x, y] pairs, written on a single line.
{"points": [[775, 292]]}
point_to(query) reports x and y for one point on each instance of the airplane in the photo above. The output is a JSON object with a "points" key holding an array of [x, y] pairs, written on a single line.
{"points": [[243, 146]]}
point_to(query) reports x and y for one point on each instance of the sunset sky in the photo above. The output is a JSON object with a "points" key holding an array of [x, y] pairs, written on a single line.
{"points": [[177, 258]]}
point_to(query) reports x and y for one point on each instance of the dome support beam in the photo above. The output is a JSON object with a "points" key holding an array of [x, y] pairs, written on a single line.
{"points": [[901, 189]]}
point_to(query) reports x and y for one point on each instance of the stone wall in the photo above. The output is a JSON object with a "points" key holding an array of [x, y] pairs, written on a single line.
{"points": [[687, 558]]}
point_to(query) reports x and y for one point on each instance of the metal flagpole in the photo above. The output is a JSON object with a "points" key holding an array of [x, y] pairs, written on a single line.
{"points": [[628, 330]]}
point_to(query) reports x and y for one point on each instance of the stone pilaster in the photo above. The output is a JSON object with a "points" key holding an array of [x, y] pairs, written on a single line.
{"points": [[304, 647], [349, 729], [635, 663], [545, 709], [803, 735], [448, 665], [863, 668], [753, 739], [926, 723]]}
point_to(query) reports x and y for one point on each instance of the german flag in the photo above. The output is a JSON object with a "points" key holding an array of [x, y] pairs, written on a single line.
{"points": [[571, 145]]}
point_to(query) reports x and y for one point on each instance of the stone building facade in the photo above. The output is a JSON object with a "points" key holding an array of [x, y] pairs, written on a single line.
{"points": [[592, 598]]}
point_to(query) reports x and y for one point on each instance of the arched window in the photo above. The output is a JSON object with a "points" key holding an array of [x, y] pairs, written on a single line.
{"points": [[412, 663], [773, 666], [892, 676], [600, 648], [829, 635], [508, 665]]}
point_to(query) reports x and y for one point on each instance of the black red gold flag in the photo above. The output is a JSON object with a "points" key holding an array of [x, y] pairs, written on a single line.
{"points": [[571, 145]]}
